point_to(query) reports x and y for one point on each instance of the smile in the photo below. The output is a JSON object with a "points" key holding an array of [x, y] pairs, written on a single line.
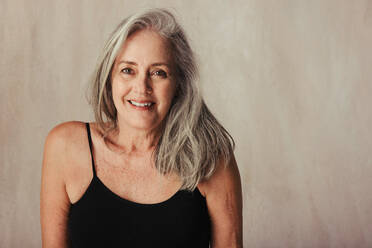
{"points": [[143, 105]]}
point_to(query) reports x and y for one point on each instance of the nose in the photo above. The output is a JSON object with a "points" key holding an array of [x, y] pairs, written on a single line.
{"points": [[142, 86]]}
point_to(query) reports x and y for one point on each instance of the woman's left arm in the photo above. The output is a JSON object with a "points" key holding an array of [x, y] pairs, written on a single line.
{"points": [[223, 193]]}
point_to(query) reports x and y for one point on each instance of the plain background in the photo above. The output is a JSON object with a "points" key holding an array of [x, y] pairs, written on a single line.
{"points": [[290, 80]]}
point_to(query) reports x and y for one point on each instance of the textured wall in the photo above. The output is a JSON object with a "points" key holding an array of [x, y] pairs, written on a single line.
{"points": [[291, 80]]}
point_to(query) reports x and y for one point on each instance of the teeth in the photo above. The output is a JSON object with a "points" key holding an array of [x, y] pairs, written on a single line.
{"points": [[146, 104]]}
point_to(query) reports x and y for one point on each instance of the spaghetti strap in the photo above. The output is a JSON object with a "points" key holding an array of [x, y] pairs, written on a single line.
{"points": [[102, 211], [90, 147]]}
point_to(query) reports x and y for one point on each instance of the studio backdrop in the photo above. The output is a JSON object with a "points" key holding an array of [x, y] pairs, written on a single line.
{"points": [[290, 80]]}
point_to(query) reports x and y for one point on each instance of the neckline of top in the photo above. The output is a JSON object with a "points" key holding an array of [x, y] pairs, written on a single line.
{"points": [[109, 191]]}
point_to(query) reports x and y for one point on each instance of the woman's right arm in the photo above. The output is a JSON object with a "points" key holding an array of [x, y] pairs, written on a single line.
{"points": [[54, 201]]}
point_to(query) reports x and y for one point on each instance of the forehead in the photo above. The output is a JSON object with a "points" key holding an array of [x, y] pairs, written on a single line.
{"points": [[145, 46]]}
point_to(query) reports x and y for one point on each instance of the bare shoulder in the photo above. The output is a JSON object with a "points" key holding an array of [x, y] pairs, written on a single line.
{"points": [[65, 131], [62, 139], [226, 177]]}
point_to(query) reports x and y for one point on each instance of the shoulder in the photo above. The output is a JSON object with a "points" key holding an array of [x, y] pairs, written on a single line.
{"points": [[225, 179], [62, 139], [65, 132]]}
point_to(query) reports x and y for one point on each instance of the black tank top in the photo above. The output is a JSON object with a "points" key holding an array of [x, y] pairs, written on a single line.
{"points": [[101, 218]]}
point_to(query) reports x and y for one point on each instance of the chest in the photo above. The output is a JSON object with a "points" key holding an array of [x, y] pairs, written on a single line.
{"points": [[136, 178], [132, 178]]}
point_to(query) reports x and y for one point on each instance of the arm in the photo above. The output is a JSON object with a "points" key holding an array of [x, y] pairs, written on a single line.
{"points": [[224, 200], [54, 202]]}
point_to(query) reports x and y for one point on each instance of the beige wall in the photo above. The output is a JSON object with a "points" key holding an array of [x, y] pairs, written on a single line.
{"points": [[291, 80]]}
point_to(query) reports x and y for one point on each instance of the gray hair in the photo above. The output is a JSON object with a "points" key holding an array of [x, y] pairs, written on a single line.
{"points": [[193, 142]]}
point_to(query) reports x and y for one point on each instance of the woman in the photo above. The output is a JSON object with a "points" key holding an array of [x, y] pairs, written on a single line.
{"points": [[156, 169]]}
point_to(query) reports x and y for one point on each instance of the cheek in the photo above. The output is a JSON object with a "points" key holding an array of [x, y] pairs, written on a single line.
{"points": [[118, 89], [168, 94], [118, 93], [169, 91], [115, 91]]}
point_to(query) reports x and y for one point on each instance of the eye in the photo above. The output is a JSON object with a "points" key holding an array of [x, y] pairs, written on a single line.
{"points": [[127, 71], [160, 73]]}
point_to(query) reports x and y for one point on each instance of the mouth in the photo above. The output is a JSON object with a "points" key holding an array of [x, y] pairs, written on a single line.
{"points": [[141, 105]]}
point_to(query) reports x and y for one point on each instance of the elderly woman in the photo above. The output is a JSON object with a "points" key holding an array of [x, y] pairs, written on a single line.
{"points": [[156, 169]]}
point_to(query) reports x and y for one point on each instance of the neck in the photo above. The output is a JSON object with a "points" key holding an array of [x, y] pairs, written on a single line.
{"points": [[133, 141]]}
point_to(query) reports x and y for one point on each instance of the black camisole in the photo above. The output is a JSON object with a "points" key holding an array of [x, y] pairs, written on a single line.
{"points": [[101, 218]]}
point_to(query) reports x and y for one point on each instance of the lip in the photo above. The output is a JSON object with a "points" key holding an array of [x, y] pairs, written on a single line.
{"points": [[144, 108], [140, 101]]}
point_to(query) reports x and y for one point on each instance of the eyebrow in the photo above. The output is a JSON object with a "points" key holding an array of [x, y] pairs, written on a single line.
{"points": [[134, 63]]}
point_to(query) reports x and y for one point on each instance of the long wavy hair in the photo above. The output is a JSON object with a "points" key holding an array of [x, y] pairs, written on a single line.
{"points": [[192, 142]]}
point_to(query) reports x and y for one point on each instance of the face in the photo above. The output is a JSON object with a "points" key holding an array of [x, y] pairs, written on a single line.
{"points": [[142, 85]]}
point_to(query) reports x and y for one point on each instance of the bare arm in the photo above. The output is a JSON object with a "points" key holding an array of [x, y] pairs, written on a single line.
{"points": [[54, 202], [224, 199]]}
